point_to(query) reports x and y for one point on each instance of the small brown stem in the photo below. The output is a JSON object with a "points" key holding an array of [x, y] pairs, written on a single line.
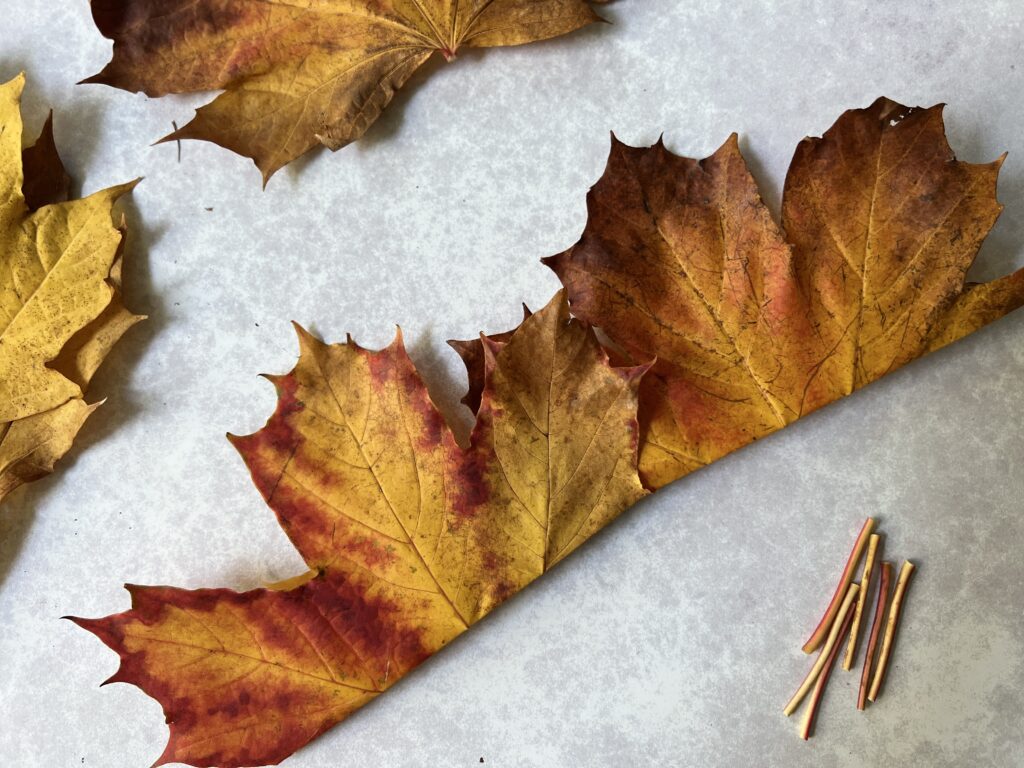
{"points": [[810, 715], [876, 631], [862, 598], [890, 628], [818, 636], [833, 636]]}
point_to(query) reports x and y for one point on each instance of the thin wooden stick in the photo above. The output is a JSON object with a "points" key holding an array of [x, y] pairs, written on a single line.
{"points": [[890, 628], [833, 636], [818, 635], [862, 598], [876, 631], [811, 713]]}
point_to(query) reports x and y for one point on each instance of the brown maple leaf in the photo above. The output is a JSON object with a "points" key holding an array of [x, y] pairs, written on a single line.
{"points": [[409, 538], [753, 328], [302, 73], [60, 305]]}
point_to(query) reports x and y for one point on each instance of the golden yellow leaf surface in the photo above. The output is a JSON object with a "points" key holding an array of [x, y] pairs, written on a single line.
{"points": [[410, 538], [298, 74], [60, 306], [754, 326]]}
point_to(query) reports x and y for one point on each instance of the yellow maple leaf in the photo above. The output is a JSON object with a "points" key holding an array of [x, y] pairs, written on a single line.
{"points": [[60, 305]]}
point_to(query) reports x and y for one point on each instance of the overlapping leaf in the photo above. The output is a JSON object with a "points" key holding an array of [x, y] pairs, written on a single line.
{"points": [[409, 537], [752, 329], [301, 73], [60, 306]]}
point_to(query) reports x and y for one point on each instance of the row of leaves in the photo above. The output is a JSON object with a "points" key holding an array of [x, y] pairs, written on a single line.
{"points": [[722, 331]]}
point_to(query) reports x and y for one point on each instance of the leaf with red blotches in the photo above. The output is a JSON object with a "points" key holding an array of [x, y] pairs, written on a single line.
{"points": [[298, 74], [409, 537], [752, 328], [60, 305]]}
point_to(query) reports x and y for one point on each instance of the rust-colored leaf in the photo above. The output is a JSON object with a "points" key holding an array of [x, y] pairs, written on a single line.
{"points": [[302, 73], [752, 329], [409, 537], [60, 304]]}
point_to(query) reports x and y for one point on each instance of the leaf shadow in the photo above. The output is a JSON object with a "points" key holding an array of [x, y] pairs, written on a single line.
{"points": [[390, 122], [382, 130], [771, 193], [18, 510], [17, 513], [445, 388], [140, 297], [1001, 252], [78, 125], [82, 130]]}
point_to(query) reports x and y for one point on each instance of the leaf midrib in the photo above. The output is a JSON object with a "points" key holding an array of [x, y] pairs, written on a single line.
{"points": [[710, 310], [384, 495]]}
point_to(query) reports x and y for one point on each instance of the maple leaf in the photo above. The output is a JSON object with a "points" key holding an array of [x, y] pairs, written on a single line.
{"points": [[752, 329], [409, 537], [60, 305], [301, 73]]}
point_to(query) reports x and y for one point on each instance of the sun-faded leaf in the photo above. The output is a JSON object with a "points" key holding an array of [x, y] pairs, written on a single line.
{"points": [[681, 260], [409, 537], [60, 305], [297, 74]]}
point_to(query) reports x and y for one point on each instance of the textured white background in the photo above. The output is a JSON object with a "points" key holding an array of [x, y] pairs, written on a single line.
{"points": [[673, 638]]}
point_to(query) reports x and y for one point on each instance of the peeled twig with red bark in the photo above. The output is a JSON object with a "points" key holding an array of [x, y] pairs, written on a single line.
{"points": [[876, 631], [821, 631], [890, 629], [819, 687]]}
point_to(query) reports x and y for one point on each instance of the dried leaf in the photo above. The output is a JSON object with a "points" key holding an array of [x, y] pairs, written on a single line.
{"points": [[302, 73], [60, 306], [681, 260], [409, 537]]}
